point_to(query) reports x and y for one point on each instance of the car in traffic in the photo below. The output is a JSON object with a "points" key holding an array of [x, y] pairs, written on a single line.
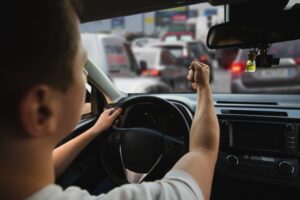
{"points": [[187, 52], [163, 64], [281, 78], [114, 56]]}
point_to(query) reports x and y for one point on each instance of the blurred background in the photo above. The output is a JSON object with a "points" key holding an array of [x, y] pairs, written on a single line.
{"points": [[151, 53]]}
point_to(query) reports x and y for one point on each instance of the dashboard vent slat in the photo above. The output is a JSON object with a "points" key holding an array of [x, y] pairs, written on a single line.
{"points": [[251, 112], [248, 103]]}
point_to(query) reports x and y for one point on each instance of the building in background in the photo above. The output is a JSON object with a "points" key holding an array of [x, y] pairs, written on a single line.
{"points": [[197, 18], [141, 23], [203, 16]]}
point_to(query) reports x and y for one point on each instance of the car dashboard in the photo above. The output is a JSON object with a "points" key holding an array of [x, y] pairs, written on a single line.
{"points": [[259, 147], [259, 141]]}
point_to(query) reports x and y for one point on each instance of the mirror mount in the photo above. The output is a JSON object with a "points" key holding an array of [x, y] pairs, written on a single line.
{"points": [[262, 59]]}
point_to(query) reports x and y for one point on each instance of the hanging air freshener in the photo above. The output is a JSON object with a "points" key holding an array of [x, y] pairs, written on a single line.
{"points": [[251, 65]]}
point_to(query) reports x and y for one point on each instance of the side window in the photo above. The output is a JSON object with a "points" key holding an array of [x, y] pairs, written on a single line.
{"points": [[87, 106]]}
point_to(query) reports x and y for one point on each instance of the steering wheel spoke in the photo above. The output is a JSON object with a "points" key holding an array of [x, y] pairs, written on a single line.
{"points": [[135, 177]]}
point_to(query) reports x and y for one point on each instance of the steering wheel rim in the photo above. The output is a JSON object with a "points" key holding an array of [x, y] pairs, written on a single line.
{"points": [[134, 144]]}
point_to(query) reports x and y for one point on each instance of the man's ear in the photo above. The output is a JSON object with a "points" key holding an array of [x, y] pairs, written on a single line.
{"points": [[37, 111]]}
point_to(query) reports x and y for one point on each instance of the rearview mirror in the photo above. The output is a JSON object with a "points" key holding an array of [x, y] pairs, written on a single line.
{"points": [[231, 35], [256, 33]]}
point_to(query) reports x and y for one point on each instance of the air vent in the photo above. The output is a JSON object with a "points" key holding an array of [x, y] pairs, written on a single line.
{"points": [[224, 134], [257, 113], [248, 103], [250, 112]]}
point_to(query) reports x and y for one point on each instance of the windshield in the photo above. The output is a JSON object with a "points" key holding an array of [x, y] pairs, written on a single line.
{"points": [[182, 32]]}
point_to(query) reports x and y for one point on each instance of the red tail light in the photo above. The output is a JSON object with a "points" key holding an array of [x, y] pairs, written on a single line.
{"points": [[297, 60], [151, 72], [203, 58], [237, 67]]}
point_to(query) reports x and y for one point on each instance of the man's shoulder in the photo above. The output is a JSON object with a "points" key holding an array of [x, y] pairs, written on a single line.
{"points": [[177, 184], [55, 192], [186, 182]]}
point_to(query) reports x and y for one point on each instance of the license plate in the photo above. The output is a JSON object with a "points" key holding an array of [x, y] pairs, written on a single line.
{"points": [[275, 73]]}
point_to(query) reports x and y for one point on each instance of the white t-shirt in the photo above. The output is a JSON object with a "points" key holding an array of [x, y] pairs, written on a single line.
{"points": [[177, 184]]}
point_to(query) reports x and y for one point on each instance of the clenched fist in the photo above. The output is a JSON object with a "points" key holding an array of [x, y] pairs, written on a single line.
{"points": [[198, 75]]}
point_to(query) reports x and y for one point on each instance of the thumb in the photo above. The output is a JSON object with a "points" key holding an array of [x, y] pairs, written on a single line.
{"points": [[116, 113], [108, 111]]}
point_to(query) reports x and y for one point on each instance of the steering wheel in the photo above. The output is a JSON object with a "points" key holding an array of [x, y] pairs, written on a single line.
{"points": [[136, 154]]}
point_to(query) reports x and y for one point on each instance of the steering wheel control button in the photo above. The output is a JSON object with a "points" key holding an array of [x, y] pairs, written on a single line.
{"points": [[232, 160], [286, 168]]}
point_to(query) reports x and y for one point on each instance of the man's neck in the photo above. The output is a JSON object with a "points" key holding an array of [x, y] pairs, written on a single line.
{"points": [[24, 169]]}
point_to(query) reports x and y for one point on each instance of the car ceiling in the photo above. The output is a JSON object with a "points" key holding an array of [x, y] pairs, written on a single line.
{"points": [[91, 10]]}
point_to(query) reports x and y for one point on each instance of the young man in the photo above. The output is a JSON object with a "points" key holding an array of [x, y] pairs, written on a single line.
{"points": [[41, 52]]}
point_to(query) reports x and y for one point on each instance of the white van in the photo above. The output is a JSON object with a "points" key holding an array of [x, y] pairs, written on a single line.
{"points": [[114, 56]]}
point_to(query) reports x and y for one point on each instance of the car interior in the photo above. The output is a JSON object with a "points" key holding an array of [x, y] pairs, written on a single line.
{"points": [[259, 150]]}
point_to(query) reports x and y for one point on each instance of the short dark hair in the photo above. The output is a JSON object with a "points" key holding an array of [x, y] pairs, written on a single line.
{"points": [[38, 46]]}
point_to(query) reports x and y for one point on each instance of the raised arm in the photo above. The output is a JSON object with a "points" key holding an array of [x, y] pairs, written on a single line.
{"points": [[204, 137], [66, 153]]}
